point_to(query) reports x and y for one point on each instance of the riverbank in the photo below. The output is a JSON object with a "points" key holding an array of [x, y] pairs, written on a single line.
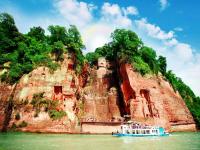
{"points": [[101, 128]]}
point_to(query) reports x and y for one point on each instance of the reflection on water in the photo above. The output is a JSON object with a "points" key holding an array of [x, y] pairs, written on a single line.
{"points": [[30, 141], [140, 139]]}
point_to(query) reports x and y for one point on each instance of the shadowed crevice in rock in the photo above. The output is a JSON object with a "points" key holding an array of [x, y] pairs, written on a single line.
{"points": [[120, 94], [8, 110]]}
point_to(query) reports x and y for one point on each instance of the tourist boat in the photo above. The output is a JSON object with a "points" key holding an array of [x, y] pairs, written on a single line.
{"points": [[137, 130]]}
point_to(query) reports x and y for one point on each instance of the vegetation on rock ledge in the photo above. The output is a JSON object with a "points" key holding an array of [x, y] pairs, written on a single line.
{"points": [[49, 106]]}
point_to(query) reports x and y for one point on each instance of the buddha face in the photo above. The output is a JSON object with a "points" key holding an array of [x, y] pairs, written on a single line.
{"points": [[102, 62]]}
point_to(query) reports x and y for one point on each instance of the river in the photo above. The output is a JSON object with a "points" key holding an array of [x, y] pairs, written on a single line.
{"points": [[33, 141]]}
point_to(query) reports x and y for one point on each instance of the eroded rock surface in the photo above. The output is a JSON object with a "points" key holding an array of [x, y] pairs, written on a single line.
{"points": [[152, 100], [61, 86], [100, 96], [103, 93]]}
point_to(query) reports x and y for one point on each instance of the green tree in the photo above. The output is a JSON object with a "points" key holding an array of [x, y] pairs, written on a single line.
{"points": [[92, 58], [125, 44], [9, 35], [58, 33], [106, 51], [21, 53], [162, 65], [71, 38], [58, 49], [74, 41], [75, 45], [149, 56], [171, 77], [139, 64], [15, 73], [37, 32]]}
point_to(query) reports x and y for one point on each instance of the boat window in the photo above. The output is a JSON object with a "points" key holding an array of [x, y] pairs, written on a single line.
{"points": [[139, 131], [148, 131], [157, 131], [143, 132]]}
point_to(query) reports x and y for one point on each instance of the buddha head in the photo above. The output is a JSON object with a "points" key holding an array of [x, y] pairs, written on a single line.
{"points": [[102, 62]]}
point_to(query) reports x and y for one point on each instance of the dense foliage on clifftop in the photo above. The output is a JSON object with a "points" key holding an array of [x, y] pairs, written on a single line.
{"points": [[126, 47], [21, 53]]}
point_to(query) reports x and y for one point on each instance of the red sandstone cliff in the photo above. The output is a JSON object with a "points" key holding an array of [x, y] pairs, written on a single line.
{"points": [[61, 86], [152, 100], [95, 95], [100, 95]]}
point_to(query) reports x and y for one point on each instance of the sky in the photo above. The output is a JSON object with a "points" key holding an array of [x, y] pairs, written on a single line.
{"points": [[171, 27]]}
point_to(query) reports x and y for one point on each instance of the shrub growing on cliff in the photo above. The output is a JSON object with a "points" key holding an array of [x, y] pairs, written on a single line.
{"points": [[140, 65], [23, 124], [58, 50], [17, 116], [14, 126], [55, 115], [3, 77], [38, 102], [20, 125], [150, 58]]}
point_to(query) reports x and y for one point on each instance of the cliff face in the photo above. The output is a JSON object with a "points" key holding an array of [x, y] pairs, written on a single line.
{"points": [[97, 95], [152, 100], [100, 95], [60, 86]]}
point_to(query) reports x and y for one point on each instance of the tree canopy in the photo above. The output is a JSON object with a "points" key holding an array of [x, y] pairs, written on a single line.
{"points": [[126, 47], [21, 53], [38, 33]]}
